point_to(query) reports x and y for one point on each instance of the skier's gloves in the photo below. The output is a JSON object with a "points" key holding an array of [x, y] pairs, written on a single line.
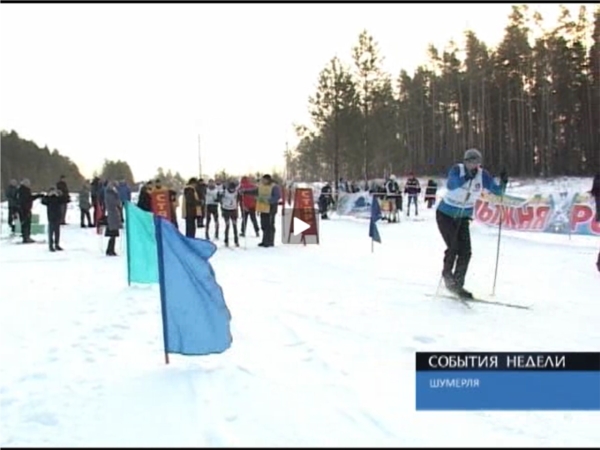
{"points": [[470, 174]]}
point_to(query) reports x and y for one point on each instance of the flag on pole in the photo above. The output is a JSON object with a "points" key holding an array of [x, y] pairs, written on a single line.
{"points": [[375, 216], [142, 256], [195, 317]]}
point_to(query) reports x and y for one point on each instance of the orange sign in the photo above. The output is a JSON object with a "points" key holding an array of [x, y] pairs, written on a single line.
{"points": [[161, 203], [304, 210]]}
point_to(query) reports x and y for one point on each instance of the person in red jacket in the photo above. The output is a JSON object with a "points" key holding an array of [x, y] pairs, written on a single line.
{"points": [[248, 204]]}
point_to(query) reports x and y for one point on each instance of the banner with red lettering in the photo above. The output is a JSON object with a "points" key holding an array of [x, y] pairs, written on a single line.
{"points": [[562, 213], [161, 203], [304, 209]]}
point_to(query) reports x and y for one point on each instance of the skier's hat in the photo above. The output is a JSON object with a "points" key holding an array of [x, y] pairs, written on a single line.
{"points": [[473, 155]]}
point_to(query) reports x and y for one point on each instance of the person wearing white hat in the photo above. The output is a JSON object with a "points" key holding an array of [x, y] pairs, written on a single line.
{"points": [[465, 184]]}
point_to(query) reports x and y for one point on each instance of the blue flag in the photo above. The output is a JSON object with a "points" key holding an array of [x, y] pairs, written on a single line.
{"points": [[375, 216], [142, 256], [196, 320]]}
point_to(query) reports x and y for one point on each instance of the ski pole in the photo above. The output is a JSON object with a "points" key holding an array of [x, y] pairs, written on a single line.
{"points": [[498, 245]]}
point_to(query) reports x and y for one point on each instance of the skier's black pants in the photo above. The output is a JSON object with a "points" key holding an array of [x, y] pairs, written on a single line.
{"points": [[212, 211], [54, 234], [190, 227], [252, 214], [457, 236], [267, 225]]}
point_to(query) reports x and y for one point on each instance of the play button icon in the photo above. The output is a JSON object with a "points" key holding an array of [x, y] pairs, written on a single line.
{"points": [[300, 226]]}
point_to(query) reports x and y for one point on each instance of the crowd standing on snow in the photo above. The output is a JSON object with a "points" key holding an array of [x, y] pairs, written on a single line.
{"points": [[255, 202]]}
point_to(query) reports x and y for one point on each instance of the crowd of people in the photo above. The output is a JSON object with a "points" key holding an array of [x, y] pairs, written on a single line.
{"points": [[202, 204], [390, 194], [256, 201]]}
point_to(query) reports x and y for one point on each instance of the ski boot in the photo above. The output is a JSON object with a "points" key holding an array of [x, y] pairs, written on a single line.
{"points": [[462, 293]]}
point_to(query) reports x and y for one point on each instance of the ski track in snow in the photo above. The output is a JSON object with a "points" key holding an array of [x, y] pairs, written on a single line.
{"points": [[324, 342]]}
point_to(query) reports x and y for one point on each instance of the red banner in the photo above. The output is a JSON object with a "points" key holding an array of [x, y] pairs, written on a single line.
{"points": [[161, 203], [304, 210]]}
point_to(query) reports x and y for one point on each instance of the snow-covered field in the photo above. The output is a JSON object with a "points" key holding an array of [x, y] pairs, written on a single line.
{"points": [[324, 342]]}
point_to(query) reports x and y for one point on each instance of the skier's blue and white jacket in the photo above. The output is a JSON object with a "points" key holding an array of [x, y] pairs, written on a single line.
{"points": [[463, 191]]}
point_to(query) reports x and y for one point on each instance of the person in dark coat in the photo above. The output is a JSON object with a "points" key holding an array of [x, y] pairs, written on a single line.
{"points": [[64, 191], [54, 202], [145, 199], [190, 207], [26, 199], [112, 205], [325, 200], [13, 203], [94, 185], [201, 190], [596, 194], [174, 202], [430, 193]]}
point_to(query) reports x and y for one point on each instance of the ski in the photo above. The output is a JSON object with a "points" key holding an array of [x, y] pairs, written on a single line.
{"points": [[453, 297], [467, 301], [494, 302]]}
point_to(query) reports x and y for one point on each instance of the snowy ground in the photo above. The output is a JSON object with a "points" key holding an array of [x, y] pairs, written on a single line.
{"points": [[324, 342]]}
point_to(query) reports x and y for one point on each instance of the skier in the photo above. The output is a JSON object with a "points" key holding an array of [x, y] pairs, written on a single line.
{"points": [[412, 189], [229, 208], [212, 198], [465, 183]]}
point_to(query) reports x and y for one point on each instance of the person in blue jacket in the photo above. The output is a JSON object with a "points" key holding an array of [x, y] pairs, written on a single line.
{"points": [[466, 181]]}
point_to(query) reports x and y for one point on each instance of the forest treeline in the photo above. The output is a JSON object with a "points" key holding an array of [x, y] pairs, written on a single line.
{"points": [[532, 105], [21, 158]]}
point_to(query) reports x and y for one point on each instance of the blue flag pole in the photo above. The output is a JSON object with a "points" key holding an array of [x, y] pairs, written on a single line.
{"points": [[161, 276]]}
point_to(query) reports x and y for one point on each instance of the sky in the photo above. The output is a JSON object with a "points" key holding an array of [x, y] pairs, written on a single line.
{"points": [[142, 82]]}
